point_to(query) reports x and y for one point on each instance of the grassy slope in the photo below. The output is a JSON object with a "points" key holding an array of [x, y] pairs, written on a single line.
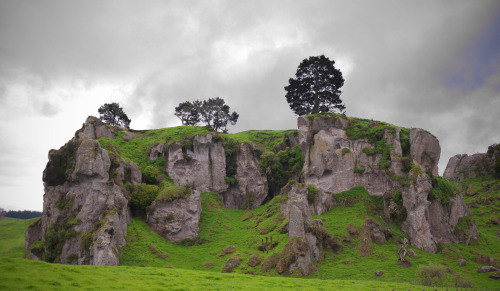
{"points": [[147, 258], [17, 273]]}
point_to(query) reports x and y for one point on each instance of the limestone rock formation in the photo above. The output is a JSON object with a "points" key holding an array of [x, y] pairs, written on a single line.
{"points": [[251, 186], [82, 205], [463, 166], [201, 167], [336, 161], [178, 219]]}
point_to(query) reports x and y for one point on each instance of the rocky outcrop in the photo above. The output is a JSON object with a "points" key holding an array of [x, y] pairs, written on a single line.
{"points": [[201, 167], [431, 222], [331, 158], [178, 219], [461, 167], [94, 128], [251, 186], [336, 162], [307, 239], [82, 206], [425, 150]]}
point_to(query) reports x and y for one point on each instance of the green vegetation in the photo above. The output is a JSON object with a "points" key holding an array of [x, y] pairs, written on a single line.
{"points": [[442, 189], [312, 192], [142, 196], [358, 171]]}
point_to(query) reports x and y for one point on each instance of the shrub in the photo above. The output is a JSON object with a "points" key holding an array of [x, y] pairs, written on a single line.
{"points": [[345, 151], [442, 189], [151, 175], [143, 196], [230, 181], [431, 275], [172, 192], [359, 171], [312, 192]]}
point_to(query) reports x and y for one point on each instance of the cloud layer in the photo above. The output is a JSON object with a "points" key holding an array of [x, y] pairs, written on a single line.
{"points": [[428, 64]]}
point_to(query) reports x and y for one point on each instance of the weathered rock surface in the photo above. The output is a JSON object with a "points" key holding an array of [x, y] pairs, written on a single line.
{"points": [[176, 220], [425, 150], [463, 166], [82, 203], [94, 128], [323, 140], [251, 187], [203, 167], [486, 269]]}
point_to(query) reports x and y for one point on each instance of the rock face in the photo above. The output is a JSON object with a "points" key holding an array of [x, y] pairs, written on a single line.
{"points": [[202, 167], [251, 186], [463, 166], [176, 220], [82, 204], [329, 166], [335, 162], [306, 238]]}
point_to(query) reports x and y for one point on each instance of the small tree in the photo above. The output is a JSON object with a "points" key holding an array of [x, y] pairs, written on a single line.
{"points": [[114, 115], [316, 87], [189, 112], [213, 112]]}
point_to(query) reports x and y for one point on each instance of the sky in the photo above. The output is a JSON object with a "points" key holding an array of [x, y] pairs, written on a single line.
{"points": [[424, 64]]}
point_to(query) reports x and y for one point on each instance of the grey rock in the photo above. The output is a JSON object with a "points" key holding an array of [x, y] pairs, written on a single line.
{"points": [[94, 128], [202, 168], [156, 151], [411, 253], [33, 234], [462, 263], [379, 273], [176, 220], [251, 188], [425, 150], [463, 166], [296, 223], [86, 200], [487, 269]]}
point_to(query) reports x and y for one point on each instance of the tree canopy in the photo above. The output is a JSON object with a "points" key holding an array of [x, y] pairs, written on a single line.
{"points": [[114, 115], [316, 87], [213, 112]]}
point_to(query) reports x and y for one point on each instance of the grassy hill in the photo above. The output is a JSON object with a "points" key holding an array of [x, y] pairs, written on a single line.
{"points": [[148, 261]]}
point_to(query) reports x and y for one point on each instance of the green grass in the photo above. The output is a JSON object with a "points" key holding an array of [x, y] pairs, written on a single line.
{"points": [[266, 139], [18, 273]]}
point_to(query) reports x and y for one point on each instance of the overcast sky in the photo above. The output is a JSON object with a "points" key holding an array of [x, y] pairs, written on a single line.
{"points": [[427, 64]]}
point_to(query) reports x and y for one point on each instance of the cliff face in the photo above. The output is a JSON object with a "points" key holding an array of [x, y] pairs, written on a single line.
{"points": [[341, 153], [85, 212], [93, 182], [463, 166]]}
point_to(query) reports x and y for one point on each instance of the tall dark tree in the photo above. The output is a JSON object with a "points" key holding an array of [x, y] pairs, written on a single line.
{"points": [[189, 112], [213, 112], [316, 87], [114, 115]]}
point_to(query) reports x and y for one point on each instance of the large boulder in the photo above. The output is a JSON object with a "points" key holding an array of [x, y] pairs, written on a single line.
{"points": [[94, 128], [178, 219]]}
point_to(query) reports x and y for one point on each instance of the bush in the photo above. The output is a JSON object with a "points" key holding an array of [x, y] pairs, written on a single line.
{"points": [[230, 181], [312, 192], [358, 171], [442, 189], [431, 275], [151, 175], [172, 192], [143, 196]]}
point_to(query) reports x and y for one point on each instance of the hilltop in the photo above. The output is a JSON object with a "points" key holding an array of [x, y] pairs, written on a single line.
{"points": [[334, 199]]}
